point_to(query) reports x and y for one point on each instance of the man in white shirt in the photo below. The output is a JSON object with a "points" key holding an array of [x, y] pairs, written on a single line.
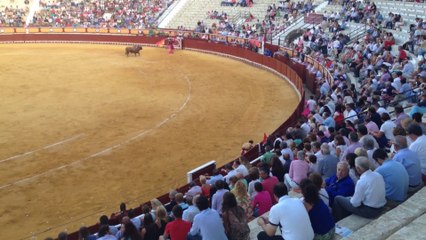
{"points": [[369, 197], [386, 128], [289, 214], [350, 113], [305, 126], [418, 145], [312, 104], [240, 168], [316, 148]]}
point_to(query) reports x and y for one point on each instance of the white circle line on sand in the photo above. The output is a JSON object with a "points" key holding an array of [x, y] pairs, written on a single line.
{"points": [[137, 136], [42, 148]]}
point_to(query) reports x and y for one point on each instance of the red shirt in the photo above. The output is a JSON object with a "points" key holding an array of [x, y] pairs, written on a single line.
{"points": [[205, 189], [402, 54], [178, 229]]}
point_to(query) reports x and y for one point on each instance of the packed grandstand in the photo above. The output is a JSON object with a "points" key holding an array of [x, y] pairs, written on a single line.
{"points": [[360, 135]]}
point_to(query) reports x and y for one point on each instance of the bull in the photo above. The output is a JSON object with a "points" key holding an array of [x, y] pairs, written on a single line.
{"points": [[133, 49]]}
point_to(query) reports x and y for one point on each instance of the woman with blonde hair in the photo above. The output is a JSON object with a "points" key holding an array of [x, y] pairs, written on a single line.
{"points": [[153, 229], [161, 219], [243, 199], [155, 204]]}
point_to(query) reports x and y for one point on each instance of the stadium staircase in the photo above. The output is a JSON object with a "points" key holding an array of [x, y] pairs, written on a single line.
{"points": [[406, 221], [298, 23], [34, 6], [14, 4], [17, 4], [195, 10], [408, 10]]}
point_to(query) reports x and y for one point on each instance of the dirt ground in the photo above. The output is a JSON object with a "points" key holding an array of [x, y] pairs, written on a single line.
{"points": [[83, 127]]}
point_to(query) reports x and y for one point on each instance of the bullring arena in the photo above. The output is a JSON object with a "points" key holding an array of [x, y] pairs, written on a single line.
{"points": [[84, 127]]}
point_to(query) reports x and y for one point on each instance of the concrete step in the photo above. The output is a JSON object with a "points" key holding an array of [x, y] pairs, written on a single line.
{"points": [[353, 223], [414, 230], [394, 220]]}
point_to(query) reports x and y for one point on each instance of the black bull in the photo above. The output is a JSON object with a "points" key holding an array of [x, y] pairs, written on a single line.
{"points": [[134, 49]]}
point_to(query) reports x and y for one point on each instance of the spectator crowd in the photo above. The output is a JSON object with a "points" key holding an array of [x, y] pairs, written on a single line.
{"points": [[347, 154], [127, 14], [13, 16], [276, 19]]}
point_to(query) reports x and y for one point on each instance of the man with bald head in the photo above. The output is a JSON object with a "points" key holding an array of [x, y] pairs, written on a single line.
{"points": [[369, 197], [411, 162], [340, 184]]}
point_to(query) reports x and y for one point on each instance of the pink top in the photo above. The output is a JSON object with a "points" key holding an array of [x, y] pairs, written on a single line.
{"points": [[263, 202], [299, 170], [268, 185]]}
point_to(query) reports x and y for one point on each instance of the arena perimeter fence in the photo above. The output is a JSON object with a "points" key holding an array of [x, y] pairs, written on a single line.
{"points": [[284, 67]]}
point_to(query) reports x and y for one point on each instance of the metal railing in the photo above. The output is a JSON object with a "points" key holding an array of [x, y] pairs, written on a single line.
{"points": [[396, 101]]}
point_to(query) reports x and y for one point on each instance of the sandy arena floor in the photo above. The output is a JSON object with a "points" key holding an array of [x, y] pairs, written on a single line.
{"points": [[83, 127]]}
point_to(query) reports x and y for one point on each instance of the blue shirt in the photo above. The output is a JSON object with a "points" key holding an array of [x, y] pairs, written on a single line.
{"points": [[411, 162], [405, 89], [325, 88], [184, 206], [344, 187], [396, 180], [209, 225], [329, 122], [321, 220], [217, 200], [213, 179], [137, 222], [328, 165]]}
